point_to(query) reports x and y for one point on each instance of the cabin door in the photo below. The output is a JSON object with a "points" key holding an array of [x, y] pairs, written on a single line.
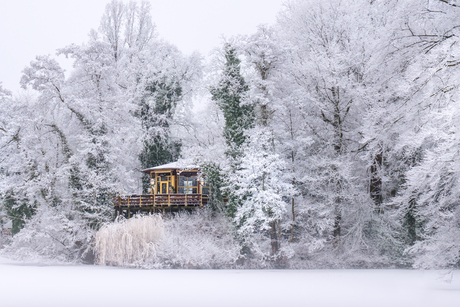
{"points": [[164, 183], [164, 187]]}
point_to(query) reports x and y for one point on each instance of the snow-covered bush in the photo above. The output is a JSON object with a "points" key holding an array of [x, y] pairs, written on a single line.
{"points": [[182, 240], [129, 242], [54, 235], [197, 240]]}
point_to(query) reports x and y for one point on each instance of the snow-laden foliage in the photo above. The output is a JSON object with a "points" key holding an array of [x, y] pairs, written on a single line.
{"points": [[433, 190], [329, 138], [129, 242], [231, 97], [262, 189], [346, 89], [53, 234], [198, 240], [77, 142], [181, 241]]}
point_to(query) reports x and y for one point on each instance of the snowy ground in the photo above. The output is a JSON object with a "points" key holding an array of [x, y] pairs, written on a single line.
{"points": [[86, 286]]}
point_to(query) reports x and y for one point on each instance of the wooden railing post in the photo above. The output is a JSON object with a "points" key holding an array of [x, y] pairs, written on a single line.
{"points": [[140, 200]]}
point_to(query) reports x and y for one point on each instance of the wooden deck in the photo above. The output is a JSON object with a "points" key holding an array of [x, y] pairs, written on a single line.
{"points": [[157, 202]]}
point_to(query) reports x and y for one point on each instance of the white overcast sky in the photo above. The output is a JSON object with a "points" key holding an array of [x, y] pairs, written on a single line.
{"points": [[36, 27]]}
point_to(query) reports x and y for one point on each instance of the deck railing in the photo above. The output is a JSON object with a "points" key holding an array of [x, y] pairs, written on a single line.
{"points": [[160, 200]]}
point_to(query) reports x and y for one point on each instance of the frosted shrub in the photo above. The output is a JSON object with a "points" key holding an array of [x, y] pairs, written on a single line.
{"points": [[197, 240], [52, 235], [181, 240], [129, 242]]}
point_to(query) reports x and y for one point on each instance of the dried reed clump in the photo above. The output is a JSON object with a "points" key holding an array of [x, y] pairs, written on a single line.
{"points": [[129, 242]]}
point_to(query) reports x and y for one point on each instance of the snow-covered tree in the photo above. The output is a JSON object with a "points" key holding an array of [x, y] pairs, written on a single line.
{"points": [[327, 61], [231, 96], [77, 142], [167, 87], [333, 134], [262, 187], [427, 130], [432, 188]]}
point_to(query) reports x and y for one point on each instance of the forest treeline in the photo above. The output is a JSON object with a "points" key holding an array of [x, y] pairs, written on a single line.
{"points": [[333, 134]]}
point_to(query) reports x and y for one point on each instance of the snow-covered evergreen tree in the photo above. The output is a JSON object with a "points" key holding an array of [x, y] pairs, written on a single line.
{"points": [[231, 96], [263, 188]]}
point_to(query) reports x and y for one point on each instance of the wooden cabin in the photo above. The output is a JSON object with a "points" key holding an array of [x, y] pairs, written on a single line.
{"points": [[172, 188]]}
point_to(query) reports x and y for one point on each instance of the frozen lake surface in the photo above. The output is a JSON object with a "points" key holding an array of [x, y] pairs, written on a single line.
{"points": [[85, 286]]}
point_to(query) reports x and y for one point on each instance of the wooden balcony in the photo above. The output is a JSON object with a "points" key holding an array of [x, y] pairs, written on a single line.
{"points": [[154, 202]]}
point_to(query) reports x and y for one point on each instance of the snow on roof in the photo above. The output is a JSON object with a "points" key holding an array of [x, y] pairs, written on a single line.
{"points": [[8, 224], [172, 165]]}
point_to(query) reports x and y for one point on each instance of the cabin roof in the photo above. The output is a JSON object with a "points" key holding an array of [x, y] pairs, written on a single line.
{"points": [[172, 165]]}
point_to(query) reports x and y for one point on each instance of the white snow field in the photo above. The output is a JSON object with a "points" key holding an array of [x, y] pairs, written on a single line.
{"points": [[35, 285]]}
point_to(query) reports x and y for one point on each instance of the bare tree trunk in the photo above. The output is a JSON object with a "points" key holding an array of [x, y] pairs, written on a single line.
{"points": [[337, 225], [291, 235], [275, 246], [375, 188]]}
